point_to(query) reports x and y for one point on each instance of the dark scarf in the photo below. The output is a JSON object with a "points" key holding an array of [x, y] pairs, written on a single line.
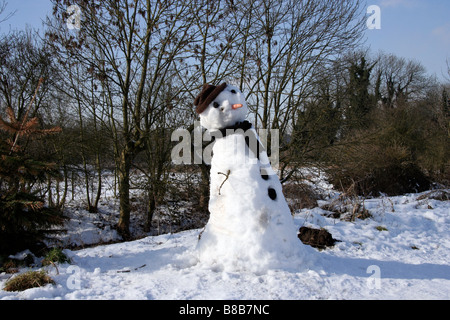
{"points": [[245, 126]]}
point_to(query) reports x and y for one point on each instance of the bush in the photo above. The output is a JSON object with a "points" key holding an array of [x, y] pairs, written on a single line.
{"points": [[24, 227], [28, 280], [388, 158], [369, 169], [300, 195]]}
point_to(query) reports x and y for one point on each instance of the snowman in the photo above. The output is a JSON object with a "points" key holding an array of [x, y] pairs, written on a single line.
{"points": [[250, 225]]}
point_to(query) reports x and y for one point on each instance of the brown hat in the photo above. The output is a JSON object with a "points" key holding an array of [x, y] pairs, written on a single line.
{"points": [[208, 94]]}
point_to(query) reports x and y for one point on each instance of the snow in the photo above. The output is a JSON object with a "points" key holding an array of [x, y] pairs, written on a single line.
{"points": [[408, 260]]}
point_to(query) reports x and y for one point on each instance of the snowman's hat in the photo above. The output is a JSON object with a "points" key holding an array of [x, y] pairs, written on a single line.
{"points": [[208, 94]]}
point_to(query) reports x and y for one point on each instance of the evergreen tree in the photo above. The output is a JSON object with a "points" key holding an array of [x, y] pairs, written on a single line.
{"points": [[361, 103], [24, 218]]}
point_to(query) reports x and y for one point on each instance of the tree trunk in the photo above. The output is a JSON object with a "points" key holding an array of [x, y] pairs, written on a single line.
{"points": [[124, 165], [150, 210], [99, 187], [204, 187]]}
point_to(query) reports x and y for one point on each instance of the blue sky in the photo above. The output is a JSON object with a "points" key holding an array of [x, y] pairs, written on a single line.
{"points": [[413, 29]]}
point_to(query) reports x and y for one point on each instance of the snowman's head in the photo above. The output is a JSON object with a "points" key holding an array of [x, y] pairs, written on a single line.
{"points": [[220, 107]]}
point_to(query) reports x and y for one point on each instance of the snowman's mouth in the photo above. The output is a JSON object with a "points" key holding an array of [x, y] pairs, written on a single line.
{"points": [[236, 106]]}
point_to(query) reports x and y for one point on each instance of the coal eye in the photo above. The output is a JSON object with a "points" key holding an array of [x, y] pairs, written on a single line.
{"points": [[233, 91], [215, 105]]}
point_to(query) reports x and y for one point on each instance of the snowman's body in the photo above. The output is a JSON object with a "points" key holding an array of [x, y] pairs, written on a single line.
{"points": [[250, 225]]}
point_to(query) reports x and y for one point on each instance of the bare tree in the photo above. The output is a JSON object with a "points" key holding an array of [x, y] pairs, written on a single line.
{"points": [[24, 61], [288, 40], [6, 16], [283, 47], [400, 79], [129, 47]]}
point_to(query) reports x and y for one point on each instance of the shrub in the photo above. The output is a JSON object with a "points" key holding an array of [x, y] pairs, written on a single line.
{"points": [[371, 169], [300, 195], [386, 158]]}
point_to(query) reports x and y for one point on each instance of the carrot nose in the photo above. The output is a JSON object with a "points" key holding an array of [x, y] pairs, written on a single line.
{"points": [[236, 106]]}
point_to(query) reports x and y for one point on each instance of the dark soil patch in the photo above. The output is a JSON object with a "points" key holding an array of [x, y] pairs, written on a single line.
{"points": [[317, 238]]}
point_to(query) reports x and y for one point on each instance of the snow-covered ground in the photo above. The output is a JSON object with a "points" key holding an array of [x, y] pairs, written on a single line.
{"points": [[401, 252]]}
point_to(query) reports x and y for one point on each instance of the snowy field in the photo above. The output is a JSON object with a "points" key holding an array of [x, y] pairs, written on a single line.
{"points": [[401, 252]]}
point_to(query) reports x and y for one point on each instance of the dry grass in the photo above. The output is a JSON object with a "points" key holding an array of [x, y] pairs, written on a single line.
{"points": [[28, 280], [349, 206]]}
